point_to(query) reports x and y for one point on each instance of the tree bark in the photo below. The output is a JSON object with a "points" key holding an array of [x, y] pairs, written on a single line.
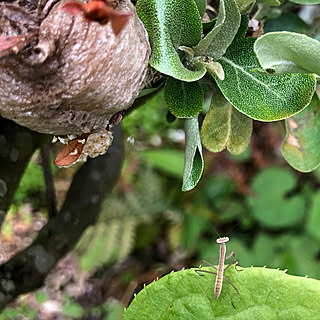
{"points": [[17, 145], [92, 183]]}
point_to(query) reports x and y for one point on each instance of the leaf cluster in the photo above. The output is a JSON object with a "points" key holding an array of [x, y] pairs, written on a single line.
{"points": [[267, 79]]}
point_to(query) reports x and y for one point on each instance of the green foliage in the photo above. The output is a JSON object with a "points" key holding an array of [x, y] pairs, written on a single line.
{"points": [[306, 1], [264, 293], [269, 2], [72, 309], [41, 297], [112, 238], [271, 97], [269, 205], [287, 21], [171, 24], [277, 52], [216, 42], [181, 50], [32, 183], [169, 161], [114, 310], [225, 127], [300, 146], [193, 162], [201, 4], [184, 99], [22, 311], [313, 222], [245, 6]]}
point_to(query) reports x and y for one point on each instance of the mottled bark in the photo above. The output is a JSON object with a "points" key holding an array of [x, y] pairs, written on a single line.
{"points": [[17, 144], [69, 75], [92, 183]]}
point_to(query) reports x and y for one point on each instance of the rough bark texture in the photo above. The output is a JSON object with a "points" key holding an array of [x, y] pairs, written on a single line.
{"points": [[17, 144], [92, 183], [72, 75]]}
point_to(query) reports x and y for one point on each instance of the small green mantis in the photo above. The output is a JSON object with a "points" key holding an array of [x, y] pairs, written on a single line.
{"points": [[221, 269]]}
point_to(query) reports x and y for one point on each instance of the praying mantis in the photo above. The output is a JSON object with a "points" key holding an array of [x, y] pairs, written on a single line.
{"points": [[221, 269]]}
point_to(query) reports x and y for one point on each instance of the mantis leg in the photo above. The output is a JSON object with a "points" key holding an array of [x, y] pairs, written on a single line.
{"points": [[235, 288], [209, 264], [199, 270], [231, 254], [235, 261]]}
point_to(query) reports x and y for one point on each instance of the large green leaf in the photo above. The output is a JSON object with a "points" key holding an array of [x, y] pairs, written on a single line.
{"points": [[220, 37], [269, 203], [225, 127], [259, 96], [286, 52], [301, 144], [193, 162], [184, 99], [264, 294], [171, 24]]}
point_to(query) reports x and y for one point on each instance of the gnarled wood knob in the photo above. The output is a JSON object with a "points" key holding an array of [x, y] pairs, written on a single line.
{"points": [[73, 75]]}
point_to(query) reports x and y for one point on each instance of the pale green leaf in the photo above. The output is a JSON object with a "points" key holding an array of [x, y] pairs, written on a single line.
{"points": [[259, 96], [245, 6], [274, 3], [220, 37], [213, 68], [301, 144], [171, 24], [265, 294], [193, 162], [225, 127], [286, 52], [306, 1], [184, 99]]}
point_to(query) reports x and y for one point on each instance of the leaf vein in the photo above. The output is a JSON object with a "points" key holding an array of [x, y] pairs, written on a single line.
{"points": [[237, 67]]}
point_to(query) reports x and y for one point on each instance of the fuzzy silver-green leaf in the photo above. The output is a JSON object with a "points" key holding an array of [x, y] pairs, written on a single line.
{"points": [[286, 52], [259, 96], [193, 163], [171, 24]]}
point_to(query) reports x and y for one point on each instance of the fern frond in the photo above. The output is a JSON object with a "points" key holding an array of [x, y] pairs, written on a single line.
{"points": [[127, 239]]}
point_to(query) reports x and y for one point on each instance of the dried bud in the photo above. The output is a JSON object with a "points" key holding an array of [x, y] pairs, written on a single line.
{"points": [[77, 73], [99, 11]]}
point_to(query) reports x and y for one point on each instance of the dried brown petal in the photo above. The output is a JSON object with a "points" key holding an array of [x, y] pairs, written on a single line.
{"points": [[71, 152], [10, 44]]}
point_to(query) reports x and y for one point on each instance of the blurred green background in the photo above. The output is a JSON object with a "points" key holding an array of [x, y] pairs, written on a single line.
{"points": [[149, 227]]}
